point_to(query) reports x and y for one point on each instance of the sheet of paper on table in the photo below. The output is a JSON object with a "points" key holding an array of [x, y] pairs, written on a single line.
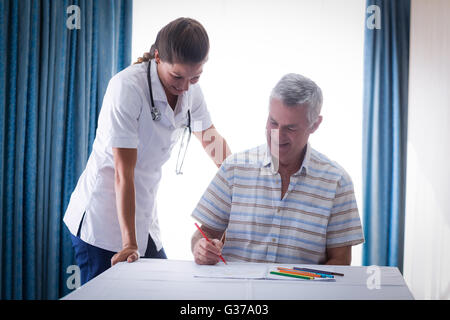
{"points": [[245, 271]]}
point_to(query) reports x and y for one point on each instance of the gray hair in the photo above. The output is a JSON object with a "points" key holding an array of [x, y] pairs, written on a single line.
{"points": [[295, 89]]}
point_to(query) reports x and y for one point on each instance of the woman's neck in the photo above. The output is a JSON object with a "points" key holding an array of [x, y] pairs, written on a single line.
{"points": [[171, 99]]}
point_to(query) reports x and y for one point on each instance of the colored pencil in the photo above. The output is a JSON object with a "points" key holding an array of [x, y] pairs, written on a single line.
{"points": [[319, 271], [304, 273], [322, 275], [204, 236], [291, 275]]}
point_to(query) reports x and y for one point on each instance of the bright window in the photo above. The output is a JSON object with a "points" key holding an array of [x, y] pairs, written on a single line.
{"points": [[253, 44]]}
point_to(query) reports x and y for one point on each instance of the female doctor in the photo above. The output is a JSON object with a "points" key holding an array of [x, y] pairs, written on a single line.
{"points": [[146, 108]]}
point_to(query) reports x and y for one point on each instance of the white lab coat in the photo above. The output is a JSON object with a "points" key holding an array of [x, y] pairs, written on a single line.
{"points": [[125, 121]]}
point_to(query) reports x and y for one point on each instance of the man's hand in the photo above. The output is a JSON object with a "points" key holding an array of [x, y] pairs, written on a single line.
{"points": [[129, 254], [207, 252]]}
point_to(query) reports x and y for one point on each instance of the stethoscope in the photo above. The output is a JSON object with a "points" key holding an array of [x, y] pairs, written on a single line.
{"points": [[156, 114]]}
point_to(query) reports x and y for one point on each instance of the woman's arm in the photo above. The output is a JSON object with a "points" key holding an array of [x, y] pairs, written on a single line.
{"points": [[214, 144], [124, 164]]}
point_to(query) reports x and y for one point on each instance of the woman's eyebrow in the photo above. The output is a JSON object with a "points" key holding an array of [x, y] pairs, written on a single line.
{"points": [[174, 73]]}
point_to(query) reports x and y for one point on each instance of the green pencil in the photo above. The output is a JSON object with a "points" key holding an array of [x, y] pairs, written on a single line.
{"points": [[291, 275]]}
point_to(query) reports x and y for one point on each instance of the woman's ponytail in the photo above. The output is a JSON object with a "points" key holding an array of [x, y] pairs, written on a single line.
{"points": [[147, 56]]}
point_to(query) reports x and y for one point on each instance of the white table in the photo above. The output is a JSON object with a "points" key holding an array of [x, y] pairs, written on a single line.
{"points": [[159, 279]]}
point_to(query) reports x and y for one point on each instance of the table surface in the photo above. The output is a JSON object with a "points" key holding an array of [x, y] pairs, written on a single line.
{"points": [[161, 279]]}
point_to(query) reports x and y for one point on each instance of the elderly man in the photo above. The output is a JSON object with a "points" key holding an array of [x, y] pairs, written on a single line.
{"points": [[282, 202]]}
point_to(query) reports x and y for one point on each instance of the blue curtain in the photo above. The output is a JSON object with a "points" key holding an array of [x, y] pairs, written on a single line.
{"points": [[386, 64], [52, 82]]}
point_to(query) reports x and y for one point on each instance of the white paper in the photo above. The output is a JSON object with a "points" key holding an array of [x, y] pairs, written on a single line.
{"points": [[246, 271], [232, 271]]}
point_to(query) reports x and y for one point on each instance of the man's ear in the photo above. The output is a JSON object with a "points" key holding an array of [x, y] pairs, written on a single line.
{"points": [[157, 58], [316, 124]]}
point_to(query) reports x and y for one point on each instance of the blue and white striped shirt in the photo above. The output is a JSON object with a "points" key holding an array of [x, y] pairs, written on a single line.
{"points": [[317, 212]]}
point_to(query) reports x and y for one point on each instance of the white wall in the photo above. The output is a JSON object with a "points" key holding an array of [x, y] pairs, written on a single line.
{"points": [[253, 44], [427, 234]]}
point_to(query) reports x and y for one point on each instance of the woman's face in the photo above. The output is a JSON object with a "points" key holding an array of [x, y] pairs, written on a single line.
{"points": [[177, 77]]}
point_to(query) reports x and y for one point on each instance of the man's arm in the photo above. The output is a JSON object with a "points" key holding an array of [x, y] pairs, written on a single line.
{"points": [[214, 144], [339, 256], [344, 225], [207, 252]]}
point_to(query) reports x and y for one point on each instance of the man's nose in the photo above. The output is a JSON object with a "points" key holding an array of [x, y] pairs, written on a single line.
{"points": [[283, 133], [275, 135]]}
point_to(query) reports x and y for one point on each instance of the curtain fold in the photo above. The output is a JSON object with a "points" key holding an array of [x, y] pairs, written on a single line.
{"points": [[385, 115], [52, 82]]}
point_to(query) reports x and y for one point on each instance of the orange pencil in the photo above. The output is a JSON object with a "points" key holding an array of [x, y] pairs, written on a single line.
{"points": [[309, 274], [281, 272], [204, 236]]}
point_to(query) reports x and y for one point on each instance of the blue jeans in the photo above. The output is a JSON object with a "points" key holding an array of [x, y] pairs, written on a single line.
{"points": [[93, 260]]}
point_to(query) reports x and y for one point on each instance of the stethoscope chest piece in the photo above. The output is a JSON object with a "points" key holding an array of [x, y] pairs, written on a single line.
{"points": [[156, 114]]}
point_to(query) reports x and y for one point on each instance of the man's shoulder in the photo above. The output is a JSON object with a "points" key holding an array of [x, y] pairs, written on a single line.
{"points": [[323, 165], [250, 158]]}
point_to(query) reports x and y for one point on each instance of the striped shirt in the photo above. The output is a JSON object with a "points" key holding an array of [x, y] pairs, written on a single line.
{"points": [[318, 211]]}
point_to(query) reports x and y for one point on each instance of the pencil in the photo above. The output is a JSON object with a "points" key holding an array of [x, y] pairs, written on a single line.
{"points": [[303, 273], [299, 273], [320, 271], [204, 236], [291, 275], [311, 273]]}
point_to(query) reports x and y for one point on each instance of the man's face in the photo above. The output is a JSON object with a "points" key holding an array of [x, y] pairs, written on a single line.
{"points": [[288, 130]]}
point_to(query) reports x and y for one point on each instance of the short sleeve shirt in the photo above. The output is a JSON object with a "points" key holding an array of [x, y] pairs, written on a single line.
{"points": [[317, 212]]}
